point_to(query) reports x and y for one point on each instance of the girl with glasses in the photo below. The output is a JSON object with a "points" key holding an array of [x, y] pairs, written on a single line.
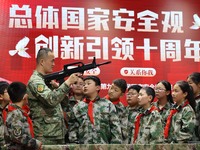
{"points": [[164, 99]]}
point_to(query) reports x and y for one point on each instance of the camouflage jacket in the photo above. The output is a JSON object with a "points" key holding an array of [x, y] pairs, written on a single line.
{"points": [[123, 118], [2, 140], [151, 128], [68, 105], [45, 109], [132, 112], [17, 133], [70, 102], [182, 125], [197, 121], [164, 112], [106, 128]]}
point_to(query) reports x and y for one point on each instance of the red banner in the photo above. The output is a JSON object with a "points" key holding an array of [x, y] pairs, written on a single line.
{"points": [[146, 41]]}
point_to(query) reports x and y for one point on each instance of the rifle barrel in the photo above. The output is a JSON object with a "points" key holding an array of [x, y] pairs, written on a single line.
{"points": [[104, 63]]}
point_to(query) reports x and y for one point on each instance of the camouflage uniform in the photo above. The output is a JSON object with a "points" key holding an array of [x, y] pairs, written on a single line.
{"points": [[17, 133], [2, 140], [197, 122], [46, 111], [182, 125], [67, 106], [164, 112], [132, 113], [106, 128], [123, 118], [151, 128]]}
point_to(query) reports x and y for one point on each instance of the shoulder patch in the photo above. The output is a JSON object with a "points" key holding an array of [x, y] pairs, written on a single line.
{"points": [[17, 131], [40, 87]]}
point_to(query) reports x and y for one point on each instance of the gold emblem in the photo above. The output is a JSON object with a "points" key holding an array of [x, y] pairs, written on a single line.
{"points": [[40, 88]]}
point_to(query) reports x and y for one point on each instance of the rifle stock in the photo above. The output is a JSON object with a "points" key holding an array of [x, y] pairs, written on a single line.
{"points": [[80, 67]]}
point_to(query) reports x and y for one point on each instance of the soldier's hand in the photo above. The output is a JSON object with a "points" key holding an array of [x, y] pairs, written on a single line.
{"points": [[54, 84], [72, 78]]}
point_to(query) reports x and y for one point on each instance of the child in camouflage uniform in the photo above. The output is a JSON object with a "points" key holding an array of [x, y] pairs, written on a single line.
{"points": [[19, 130], [4, 100], [117, 90], [194, 81], [133, 107], [181, 120], [76, 95], [164, 99], [94, 120], [148, 127]]}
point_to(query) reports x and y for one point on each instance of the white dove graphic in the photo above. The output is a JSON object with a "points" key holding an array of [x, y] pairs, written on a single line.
{"points": [[20, 48], [196, 22]]}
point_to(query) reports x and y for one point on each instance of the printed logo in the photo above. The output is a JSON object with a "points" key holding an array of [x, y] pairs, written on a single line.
{"points": [[137, 72], [125, 71], [91, 72], [196, 22], [20, 48]]}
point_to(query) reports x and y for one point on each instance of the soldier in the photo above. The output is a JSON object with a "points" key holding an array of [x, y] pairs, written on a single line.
{"points": [[94, 120], [181, 120], [4, 100], [164, 99], [19, 129], [148, 127], [117, 90], [44, 102], [133, 107], [194, 81]]}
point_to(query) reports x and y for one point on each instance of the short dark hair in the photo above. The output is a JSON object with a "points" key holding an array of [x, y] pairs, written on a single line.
{"points": [[121, 83], [94, 78], [150, 91], [135, 87], [43, 52], [16, 91], [3, 86]]}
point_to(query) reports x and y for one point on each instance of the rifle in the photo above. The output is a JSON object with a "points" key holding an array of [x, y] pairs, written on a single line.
{"points": [[80, 67]]}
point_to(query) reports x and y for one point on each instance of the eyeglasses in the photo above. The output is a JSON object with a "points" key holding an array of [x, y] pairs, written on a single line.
{"points": [[159, 90]]}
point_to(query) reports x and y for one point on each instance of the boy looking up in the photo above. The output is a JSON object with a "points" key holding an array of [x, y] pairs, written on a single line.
{"points": [[94, 120]]}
